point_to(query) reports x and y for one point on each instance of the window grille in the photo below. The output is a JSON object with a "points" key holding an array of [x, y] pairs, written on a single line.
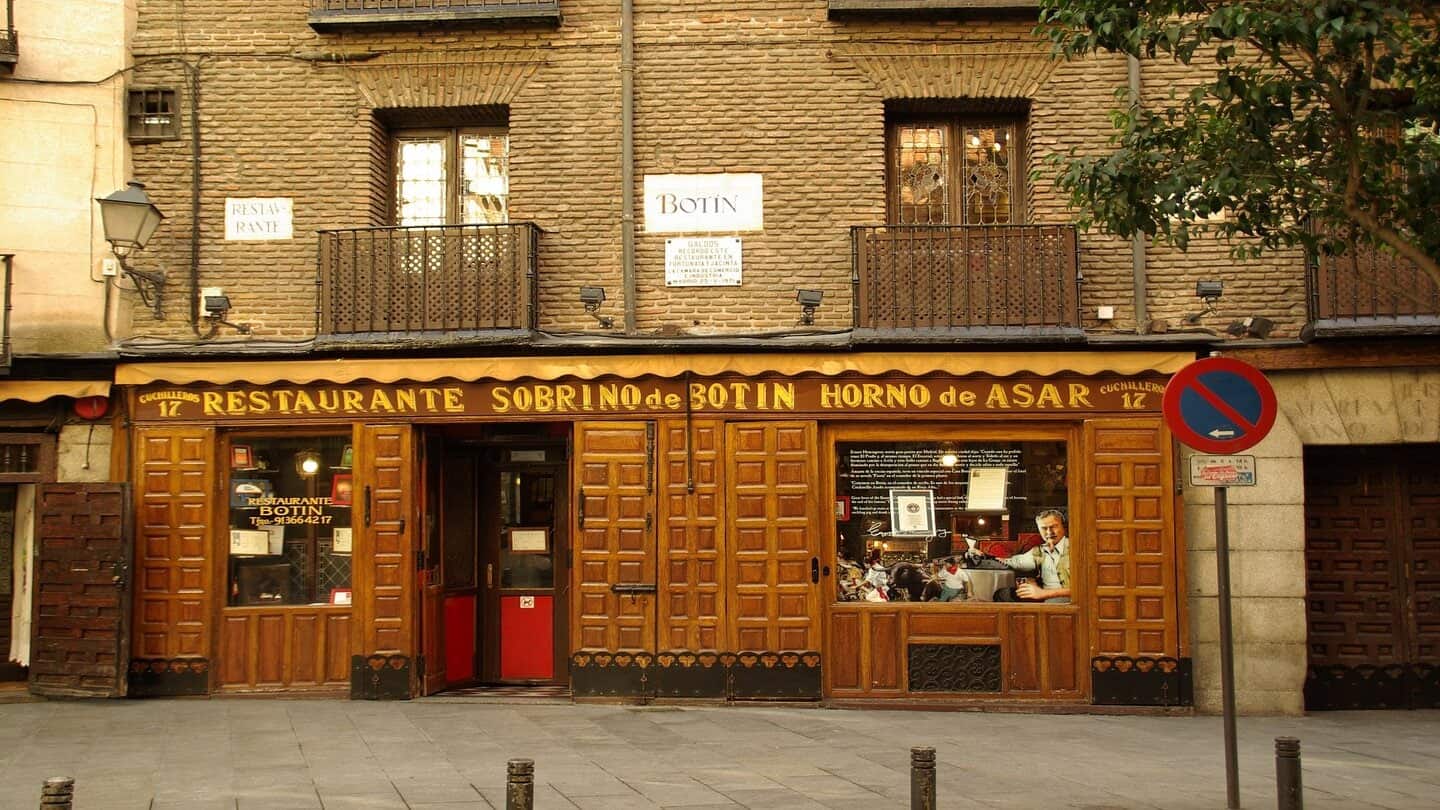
{"points": [[153, 115]]}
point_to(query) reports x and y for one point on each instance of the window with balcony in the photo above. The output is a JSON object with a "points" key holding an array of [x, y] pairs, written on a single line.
{"points": [[960, 171], [442, 254], [955, 253]]}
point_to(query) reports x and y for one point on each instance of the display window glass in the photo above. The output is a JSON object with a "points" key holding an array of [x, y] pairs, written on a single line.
{"points": [[952, 521], [290, 531]]}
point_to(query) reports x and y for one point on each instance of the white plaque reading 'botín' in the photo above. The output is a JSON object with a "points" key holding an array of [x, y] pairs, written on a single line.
{"points": [[704, 203], [702, 262]]}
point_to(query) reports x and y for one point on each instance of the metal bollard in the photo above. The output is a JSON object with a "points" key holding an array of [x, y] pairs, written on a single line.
{"points": [[520, 785], [1288, 791], [57, 793], [922, 779]]}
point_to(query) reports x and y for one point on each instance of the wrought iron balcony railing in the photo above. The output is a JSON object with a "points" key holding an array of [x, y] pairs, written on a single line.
{"points": [[442, 278], [1369, 291], [945, 280], [857, 7], [9, 48], [331, 14]]}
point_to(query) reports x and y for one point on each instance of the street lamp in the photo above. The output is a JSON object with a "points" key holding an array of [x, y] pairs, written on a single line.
{"points": [[129, 219]]}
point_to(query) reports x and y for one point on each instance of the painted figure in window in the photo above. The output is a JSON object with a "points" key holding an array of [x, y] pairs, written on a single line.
{"points": [[1050, 561]]}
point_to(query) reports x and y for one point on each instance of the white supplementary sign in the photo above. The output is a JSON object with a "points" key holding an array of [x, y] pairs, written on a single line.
{"points": [[704, 203], [1222, 471], [711, 261], [527, 603], [258, 218]]}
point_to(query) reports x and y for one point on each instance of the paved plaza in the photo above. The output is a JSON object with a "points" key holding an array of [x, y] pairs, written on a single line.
{"points": [[451, 754]]}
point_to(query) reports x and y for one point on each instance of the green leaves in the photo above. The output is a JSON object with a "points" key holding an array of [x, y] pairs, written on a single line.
{"points": [[1288, 128]]}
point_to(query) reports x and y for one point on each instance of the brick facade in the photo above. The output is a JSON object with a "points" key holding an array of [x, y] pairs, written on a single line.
{"points": [[770, 87]]}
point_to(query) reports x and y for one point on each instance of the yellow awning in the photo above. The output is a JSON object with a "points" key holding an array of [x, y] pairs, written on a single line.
{"points": [[389, 370], [41, 390]]}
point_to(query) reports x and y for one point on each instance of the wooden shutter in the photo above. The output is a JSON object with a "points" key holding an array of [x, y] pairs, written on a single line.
{"points": [[773, 476], [692, 544], [616, 481], [174, 591], [1134, 574], [383, 571]]}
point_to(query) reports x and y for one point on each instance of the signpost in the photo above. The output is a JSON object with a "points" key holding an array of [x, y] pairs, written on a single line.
{"points": [[1221, 405]]}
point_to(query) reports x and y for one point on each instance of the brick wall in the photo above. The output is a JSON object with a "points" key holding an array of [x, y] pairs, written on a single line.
{"points": [[768, 87]]}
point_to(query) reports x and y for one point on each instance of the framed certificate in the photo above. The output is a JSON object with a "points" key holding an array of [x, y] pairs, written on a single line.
{"points": [[529, 541], [240, 457], [340, 542], [912, 512]]}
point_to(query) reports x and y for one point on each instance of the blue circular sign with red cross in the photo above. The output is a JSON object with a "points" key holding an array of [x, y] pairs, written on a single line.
{"points": [[1219, 405]]}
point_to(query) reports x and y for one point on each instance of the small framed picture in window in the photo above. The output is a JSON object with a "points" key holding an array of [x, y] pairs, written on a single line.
{"points": [[842, 507], [342, 489], [347, 457], [339, 596], [241, 458], [341, 542]]}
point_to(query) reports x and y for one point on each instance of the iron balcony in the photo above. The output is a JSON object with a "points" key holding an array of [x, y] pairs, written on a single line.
{"points": [[1371, 292], [338, 14], [400, 281], [957, 282]]}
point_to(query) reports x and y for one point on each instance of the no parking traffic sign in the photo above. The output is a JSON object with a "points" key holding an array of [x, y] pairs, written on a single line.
{"points": [[1219, 405]]}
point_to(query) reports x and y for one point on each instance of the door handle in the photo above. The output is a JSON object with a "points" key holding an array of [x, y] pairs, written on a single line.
{"points": [[489, 575], [632, 589], [814, 570]]}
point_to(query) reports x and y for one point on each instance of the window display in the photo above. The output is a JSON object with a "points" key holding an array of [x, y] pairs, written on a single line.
{"points": [[289, 520], [952, 521]]}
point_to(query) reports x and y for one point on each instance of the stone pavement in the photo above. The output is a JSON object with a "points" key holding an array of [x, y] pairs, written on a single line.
{"points": [[439, 754]]}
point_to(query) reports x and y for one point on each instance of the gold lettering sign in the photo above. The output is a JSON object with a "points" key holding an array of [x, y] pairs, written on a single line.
{"points": [[820, 396]]}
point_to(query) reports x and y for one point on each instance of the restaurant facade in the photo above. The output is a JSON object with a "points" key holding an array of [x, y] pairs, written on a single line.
{"points": [[657, 527]]}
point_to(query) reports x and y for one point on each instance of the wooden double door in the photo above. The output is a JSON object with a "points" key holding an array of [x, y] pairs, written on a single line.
{"points": [[1372, 557], [696, 536]]}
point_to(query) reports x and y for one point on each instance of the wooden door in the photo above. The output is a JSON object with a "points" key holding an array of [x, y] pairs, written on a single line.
{"points": [[1372, 555], [82, 591], [1133, 564], [692, 545], [614, 579], [432, 574], [175, 601], [386, 600], [774, 538]]}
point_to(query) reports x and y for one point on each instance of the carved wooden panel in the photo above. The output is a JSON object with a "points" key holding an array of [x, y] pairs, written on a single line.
{"points": [[774, 535], [289, 648], [384, 575], [692, 537], [174, 498], [904, 651], [1135, 560], [615, 482]]}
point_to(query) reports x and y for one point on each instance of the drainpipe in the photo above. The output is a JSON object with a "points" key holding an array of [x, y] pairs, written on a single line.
{"points": [[1137, 242], [627, 159]]}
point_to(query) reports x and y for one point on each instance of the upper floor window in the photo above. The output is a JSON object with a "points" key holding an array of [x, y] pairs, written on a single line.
{"points": [[152, 115], [451, 177], [956, 171]]}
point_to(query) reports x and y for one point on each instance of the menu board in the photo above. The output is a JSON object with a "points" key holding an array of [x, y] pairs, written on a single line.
{"points": [[981, 479]]}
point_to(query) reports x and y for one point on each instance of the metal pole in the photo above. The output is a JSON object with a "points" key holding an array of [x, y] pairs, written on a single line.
{"points": [[922, 779], [1227, 652], [1289, 793], [520, 785], [57, 793]]}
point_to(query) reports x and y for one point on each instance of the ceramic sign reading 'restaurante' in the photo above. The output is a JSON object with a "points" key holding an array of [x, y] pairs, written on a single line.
{"points": [[877, 397]]}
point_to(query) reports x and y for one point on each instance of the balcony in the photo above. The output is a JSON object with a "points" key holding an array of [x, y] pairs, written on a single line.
{"points": [[431, 281], [842, 8], [9, 49], [331, 15], [1371, 292], [966, 282]]}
